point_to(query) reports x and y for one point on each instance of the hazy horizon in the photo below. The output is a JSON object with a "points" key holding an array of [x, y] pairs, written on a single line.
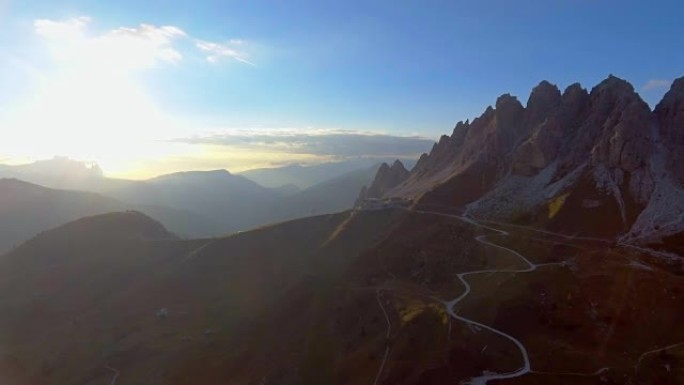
{"points": [[531, 231], [355, 164], [145, 89]]}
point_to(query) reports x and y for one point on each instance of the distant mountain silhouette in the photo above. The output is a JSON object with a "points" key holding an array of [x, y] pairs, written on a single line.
{"points": [[232, 201], [311, 175], [336, 194], [58, 173], [208, 203], [27, 209]]}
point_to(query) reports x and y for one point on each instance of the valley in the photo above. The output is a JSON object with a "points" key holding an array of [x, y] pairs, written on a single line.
{"points": [[318, 192], [379, 297], [479, 265], [39, 196]]}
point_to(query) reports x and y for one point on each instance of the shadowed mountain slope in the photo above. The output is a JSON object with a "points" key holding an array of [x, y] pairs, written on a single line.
{"points": [[90, 293], [599, 163], [355, 297]]}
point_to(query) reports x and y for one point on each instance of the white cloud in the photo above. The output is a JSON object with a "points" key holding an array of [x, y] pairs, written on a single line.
{"points": [[216, 51], [71, 29], [319, 142], [88, 101], [655, 84], [127, 48], [120, 49]]}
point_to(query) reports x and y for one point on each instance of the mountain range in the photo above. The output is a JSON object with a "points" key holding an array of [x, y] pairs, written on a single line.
{"points": [[538, 245], [305, 176], [27, 209], [190, 204], [597, 162]]}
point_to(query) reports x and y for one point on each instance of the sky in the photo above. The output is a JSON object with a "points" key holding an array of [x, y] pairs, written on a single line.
{"points": [[149, 87]]}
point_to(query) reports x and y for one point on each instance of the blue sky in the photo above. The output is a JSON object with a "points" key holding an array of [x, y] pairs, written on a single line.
{"points": [[395, 67]]}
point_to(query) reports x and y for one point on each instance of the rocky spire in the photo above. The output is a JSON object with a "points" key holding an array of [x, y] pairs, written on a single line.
{"points": [[386, 178], [670, 115], [544, 99]]}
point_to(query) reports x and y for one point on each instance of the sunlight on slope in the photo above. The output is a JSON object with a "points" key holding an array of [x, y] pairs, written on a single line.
{"points": [[556, 204], [342, 226], [409, 309]]}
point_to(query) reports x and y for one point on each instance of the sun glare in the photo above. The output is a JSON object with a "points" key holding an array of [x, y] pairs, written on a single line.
{"points": [[89, 115], [90, 105]]}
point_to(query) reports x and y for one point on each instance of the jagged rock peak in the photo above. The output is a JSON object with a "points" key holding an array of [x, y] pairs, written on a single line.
{"points": [[384, 167], [678, 86], [487, 115], [460, 126], [386, 178], [672, 104], [422, 162], [423, 157], [573, 101], [670, 115], [442, 139], [614, 85], [509, 118], [543, 100], [507, 101], [544, 92], [617, 95], [508, 107], [605, 146], [441, 147], [674, 95], [397, 166], [574, 90], [459, 133]]}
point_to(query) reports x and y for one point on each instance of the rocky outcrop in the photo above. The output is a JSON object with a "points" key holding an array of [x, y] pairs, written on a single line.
{"points": [[670, 116], [599, 151], [543, 101], [663, 217], [386, 178]]}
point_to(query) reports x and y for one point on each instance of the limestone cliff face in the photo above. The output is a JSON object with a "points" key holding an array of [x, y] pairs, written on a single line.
{"points": [[604, 150], [670, 116]]}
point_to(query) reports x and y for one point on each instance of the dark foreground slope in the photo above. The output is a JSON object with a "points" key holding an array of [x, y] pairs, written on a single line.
{"points": [[83, 296], [351, 298]]}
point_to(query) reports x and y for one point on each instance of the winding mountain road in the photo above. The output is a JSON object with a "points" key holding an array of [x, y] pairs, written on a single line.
{"points": [[451, 304], [654, 351], [115, 376], [378, 296]]}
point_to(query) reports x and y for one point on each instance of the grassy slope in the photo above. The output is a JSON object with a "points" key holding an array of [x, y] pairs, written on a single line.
{"points": [[300, 303], [81, 305]]}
